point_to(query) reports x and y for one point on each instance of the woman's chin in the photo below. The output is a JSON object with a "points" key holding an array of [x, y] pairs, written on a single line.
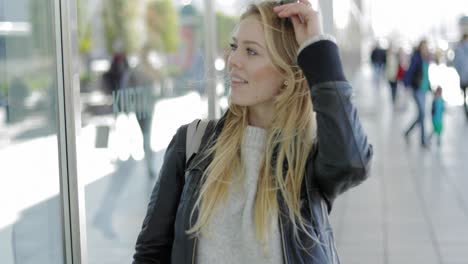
{"points": [[238, 101]]}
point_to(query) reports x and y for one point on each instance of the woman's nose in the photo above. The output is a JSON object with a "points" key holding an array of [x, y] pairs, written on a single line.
{"points": [[234, 60]]}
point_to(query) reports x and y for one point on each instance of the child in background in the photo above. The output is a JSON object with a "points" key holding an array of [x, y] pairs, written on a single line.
{"points": [[438, 108]]}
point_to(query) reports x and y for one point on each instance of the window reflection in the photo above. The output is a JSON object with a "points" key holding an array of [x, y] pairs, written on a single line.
{"points": [[142, 77], [30, 222]]}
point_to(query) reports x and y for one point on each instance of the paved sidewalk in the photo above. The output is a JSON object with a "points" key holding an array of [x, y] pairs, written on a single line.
{"points": [[414, 208]]}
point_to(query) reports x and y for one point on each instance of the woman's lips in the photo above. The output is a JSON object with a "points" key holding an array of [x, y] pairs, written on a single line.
{"points": [[235, 84], [236, 81]]}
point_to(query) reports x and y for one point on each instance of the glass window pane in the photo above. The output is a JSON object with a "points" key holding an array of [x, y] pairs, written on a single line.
{"points": [[142, 77], [30, 218], [227, 15]]}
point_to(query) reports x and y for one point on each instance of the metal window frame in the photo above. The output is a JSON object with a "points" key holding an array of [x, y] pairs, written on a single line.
{"points": [[209, 21], [68, 97]]}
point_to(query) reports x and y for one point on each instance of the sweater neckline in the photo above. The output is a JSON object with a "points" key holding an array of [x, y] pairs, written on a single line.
{"points": [[254, 137]]}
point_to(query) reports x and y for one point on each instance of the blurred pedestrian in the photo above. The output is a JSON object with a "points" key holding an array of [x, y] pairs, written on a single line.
{"points": [[437, 111], [461, 65], [391, 72], [417, 77], [402, 67], [378, 59]]}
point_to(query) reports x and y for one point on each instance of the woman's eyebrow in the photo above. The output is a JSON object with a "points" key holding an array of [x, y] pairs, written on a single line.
{"points": [[248, 42]]}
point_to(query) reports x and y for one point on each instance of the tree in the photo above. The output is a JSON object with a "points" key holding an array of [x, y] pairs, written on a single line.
{"points": [[119, 17], [122, 24], [225, 25], [41, 15], [84, 30], [162, 24]]}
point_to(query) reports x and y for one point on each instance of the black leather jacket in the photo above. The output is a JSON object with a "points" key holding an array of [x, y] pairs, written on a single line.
{"points": [[340, 160]]}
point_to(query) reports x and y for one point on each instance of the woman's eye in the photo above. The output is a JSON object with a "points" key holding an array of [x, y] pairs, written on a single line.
{"points": [[233, 46], [251, 52]]}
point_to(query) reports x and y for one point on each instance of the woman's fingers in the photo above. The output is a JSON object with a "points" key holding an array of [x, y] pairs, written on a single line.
{"points": [[305, 19], [295, 9], [301, 4], [313, 4], [305, 2]]}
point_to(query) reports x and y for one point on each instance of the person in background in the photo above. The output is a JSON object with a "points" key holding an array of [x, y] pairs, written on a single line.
{"points": [[391, 72], [438, 109], [461, 65], [417, 77], [378, 60], [402, 67]]}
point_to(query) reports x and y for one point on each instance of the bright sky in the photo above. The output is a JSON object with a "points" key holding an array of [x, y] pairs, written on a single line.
{"points": [[412, 18], [415, 18]]}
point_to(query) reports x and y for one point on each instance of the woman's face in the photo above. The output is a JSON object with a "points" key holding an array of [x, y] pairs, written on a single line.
{"points": [[253, 78]]}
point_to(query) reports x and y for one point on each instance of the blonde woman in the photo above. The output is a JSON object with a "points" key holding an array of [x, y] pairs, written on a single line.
{"points": [[268, 171]]}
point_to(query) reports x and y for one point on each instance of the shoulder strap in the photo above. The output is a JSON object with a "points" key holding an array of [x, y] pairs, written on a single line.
{"points": [[195, 132]]}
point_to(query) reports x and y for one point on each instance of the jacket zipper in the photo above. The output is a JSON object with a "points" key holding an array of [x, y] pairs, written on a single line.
{"points": [[282, 241]]}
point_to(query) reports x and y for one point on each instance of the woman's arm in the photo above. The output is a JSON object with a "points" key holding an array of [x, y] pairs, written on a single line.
{"points": [[342, 155], [154, 243]]}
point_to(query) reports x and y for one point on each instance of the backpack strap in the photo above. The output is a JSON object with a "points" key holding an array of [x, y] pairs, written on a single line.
{"points": [[195, 132]]}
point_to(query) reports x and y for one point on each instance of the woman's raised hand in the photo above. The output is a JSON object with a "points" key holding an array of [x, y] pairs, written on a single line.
{"points": [[305, 19]]}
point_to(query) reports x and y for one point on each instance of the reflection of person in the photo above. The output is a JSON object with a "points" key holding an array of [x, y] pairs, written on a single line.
{"points": [[116, 183], [114, 78], [269, 170], [461, 65], [417, 77], [17, 94], [192, 64], [140, 83], [437, 111], [143, 78]]}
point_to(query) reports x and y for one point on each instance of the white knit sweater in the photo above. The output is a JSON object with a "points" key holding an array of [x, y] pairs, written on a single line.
{"points": [[230, 236]]}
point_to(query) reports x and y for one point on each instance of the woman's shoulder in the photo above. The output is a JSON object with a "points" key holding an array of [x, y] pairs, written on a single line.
{"points": [[199, 126]]}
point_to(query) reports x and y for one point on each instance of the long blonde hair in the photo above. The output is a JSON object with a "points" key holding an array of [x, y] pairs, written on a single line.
{"points": [[288, 144]]}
